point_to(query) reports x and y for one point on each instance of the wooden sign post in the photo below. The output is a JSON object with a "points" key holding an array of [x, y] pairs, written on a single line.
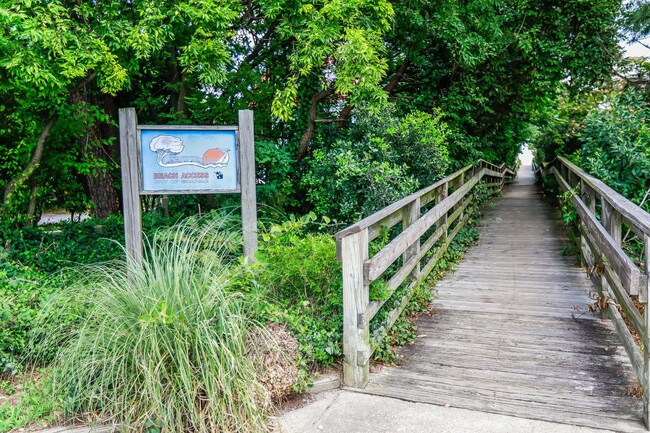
{"points": [[181, 159]]}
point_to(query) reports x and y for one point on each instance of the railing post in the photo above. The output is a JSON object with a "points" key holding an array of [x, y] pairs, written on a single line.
{"points": [[442, 194], [356, 329], [643, 298], [411, 215], [461, 182]]}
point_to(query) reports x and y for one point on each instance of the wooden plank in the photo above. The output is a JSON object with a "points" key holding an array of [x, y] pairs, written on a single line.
{"points": [[399, 277], [356, 333], [387, 256], [619, 294], [386, 223], [247, 183], [130, 168], [628, 342], [643, 297], [505, 336], [411, 215], [623, 266], [443, 248]]}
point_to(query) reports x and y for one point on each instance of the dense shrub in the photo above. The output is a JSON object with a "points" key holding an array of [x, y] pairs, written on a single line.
{"points": [[168, 335], [22, 293], [300, 270], [381, 159], [616, 145]]}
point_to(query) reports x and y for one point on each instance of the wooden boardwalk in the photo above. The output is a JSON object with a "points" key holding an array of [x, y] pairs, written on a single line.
{"points": [[510, 333]]}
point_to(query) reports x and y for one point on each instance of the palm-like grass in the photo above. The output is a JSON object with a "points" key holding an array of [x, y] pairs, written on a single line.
{"points": [[164, 346]]}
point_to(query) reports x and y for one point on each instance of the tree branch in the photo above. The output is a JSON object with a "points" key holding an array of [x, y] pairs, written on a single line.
{"points": [[37, 156], [388, 88], [306, 137]]}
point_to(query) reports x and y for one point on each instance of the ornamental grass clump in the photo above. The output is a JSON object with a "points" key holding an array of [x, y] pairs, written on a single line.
{"points": [[164, 347]]}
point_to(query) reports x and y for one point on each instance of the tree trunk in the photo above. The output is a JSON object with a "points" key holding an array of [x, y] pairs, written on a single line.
{"points": [[31, 209], [37, 156], [313, 111], [101, 186]]}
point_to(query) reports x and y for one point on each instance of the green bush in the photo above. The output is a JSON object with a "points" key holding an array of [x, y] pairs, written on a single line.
{"points": [[303, 277], [164, 347], [616, 145], [22, 293], [382, 158]]}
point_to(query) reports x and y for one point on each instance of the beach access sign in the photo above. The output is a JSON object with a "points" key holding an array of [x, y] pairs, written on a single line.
{"points": [[186, 159], [196, 160]]}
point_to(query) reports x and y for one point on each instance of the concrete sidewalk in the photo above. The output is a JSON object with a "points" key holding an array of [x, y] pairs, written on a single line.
{"points": [[344, 411]]}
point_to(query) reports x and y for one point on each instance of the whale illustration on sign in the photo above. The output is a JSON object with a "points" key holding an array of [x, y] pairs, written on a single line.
{"points": [[168, 147]]}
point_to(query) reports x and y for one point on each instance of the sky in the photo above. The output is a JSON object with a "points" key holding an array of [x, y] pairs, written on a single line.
{"points": [[638, 50]]}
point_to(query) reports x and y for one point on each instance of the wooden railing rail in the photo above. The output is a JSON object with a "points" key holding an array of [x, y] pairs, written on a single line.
{"points": [[621, 280], [430, 219]]}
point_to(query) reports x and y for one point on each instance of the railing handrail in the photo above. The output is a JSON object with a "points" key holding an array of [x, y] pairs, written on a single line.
{"points": [[612, 270], [632, 212], [448, 214], [392, 208]]}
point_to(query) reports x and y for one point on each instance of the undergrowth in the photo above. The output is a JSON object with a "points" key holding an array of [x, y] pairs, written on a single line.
{"points": [[161, 347]]}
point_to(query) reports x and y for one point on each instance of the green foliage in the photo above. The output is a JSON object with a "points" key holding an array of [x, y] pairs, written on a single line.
{"points": [[141, 333], [303, 277], [355, 179], [569, 214], [38, 404], [381, 159], [275, 167], [616, 145], [22, 293]]}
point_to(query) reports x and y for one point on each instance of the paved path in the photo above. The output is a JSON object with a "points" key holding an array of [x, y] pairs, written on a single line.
{"points": [[510, 337], [350, 412]]}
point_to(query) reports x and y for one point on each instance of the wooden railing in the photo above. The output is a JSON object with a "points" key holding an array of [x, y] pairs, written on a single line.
{"points": [[607, 220], [430, 219]]}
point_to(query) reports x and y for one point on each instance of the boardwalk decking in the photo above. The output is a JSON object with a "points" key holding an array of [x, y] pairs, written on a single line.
{"points": [[510, 333]]}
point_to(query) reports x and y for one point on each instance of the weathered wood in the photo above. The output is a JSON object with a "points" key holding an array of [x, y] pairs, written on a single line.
{"points": [[614, 284], [627, 209], [386, 223], [247, 183], [130, 167], [387, 256], [612, 222], [643, 297], [406, 245], [356, 332], [411, 215], [628, 341], [510, 332], [625, 268]]}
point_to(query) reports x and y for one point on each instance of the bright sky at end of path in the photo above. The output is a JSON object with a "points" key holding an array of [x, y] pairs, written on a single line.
{"points": [[526, 156]]}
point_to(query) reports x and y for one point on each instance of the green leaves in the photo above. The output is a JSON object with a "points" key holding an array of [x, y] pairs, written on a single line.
{"points": [[342, 44]]}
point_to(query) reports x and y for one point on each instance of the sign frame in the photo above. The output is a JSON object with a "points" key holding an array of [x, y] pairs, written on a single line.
{"points": [[215, 128], [132, 189]]}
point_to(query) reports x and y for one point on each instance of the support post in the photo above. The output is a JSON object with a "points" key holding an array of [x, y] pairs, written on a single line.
{"points": [[442, 194], [130, 185], [247, 183], [411, 215], [643, 297], [356, 329]]}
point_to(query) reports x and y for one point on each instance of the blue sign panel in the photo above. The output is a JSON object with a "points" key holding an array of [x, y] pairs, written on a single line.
{"points": [[185, 160]]}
